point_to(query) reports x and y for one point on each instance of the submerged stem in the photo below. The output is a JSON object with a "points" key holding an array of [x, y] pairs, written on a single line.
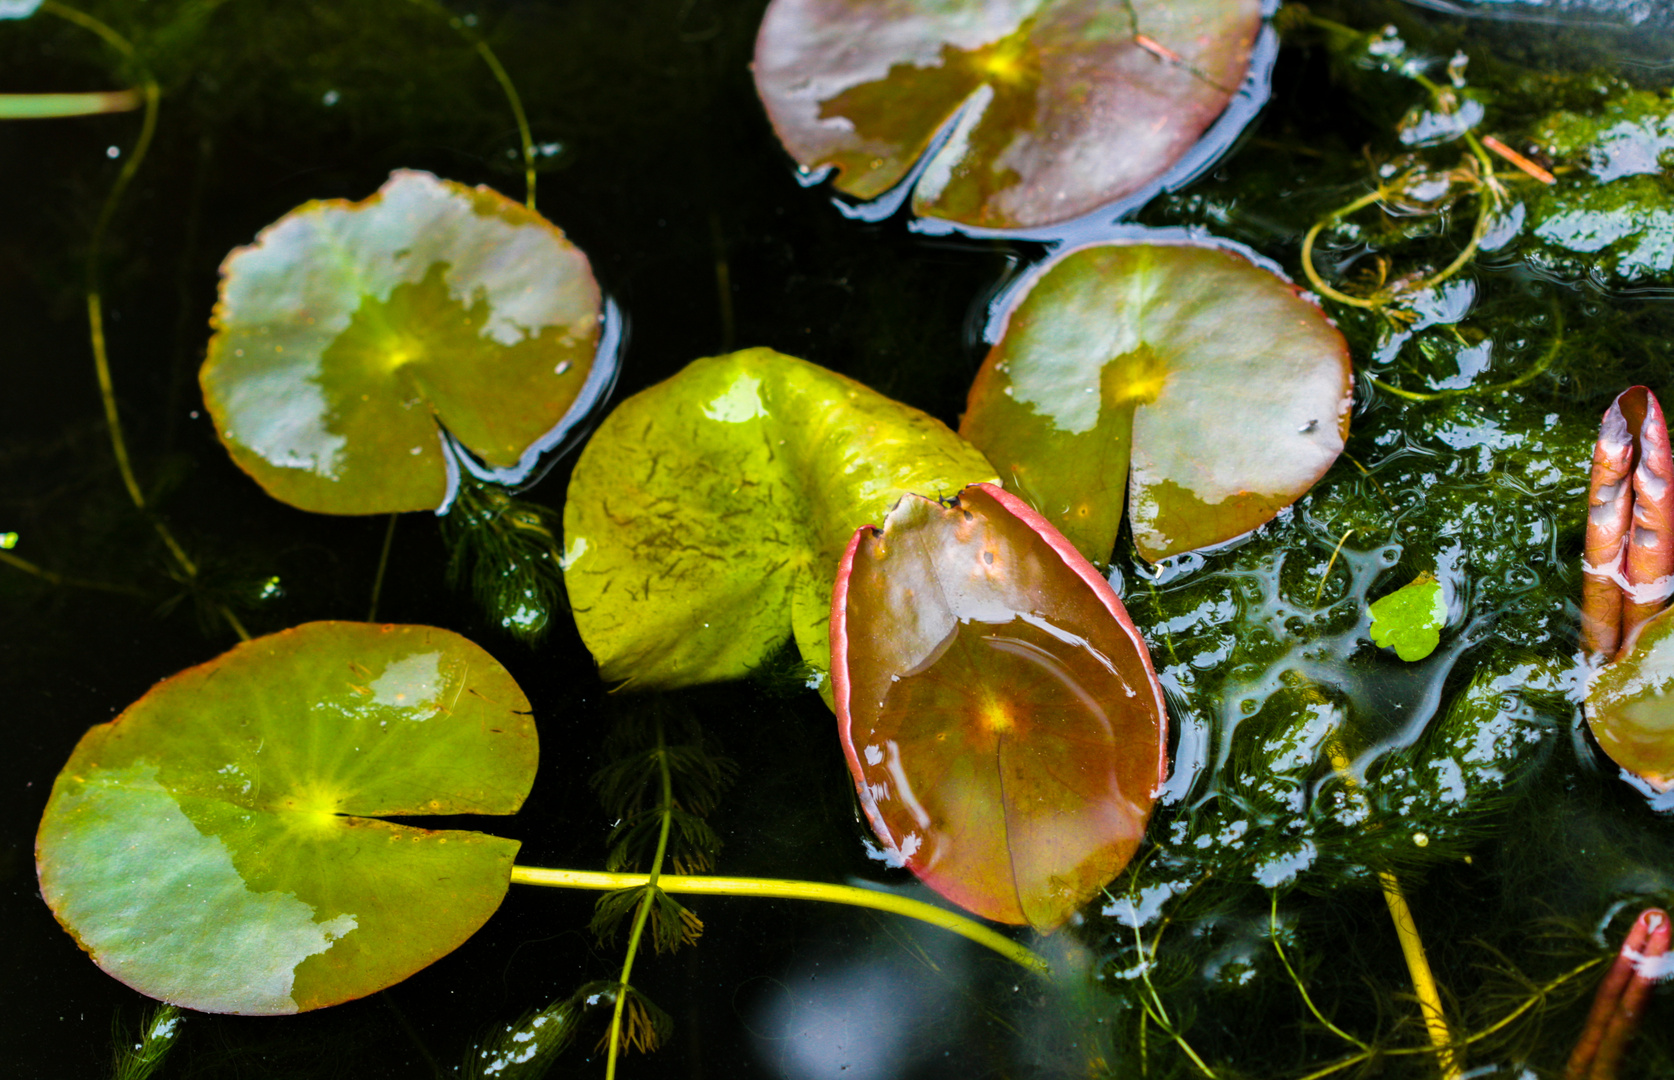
{"points": [[1412, 945], [783, 889], [152, 95], [644, 912], [464, 30], [383, 564]]}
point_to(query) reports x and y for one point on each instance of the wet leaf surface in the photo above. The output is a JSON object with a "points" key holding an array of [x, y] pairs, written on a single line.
{"points": [[997, 707], [1410, 619], [218, 845], [1203, 386], [1063, 105], [1630, 705], [706, 515], [351, 334]]}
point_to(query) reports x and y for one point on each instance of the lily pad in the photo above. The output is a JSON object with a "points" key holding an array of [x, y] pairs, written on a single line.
{"points": [[218, 845], [706, 515], [359, 346], [999, 712], [1203, 385], [1630, 705], [1410, 619], [1052, 108]]}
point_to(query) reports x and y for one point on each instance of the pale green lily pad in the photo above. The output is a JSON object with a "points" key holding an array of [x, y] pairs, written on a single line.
{"points": [[350, 335], [1630, 705], [707, 514], [218, 844], [1410, 619], [1203, 386]]}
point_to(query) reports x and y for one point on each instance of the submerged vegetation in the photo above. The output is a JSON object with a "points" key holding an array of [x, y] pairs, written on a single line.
{"points": [[1414, 861]]}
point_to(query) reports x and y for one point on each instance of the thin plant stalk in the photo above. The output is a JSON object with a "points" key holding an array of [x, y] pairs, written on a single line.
{"points": [[785, 889], [1424, 983], [383, 564], [152, 94], [644, 913], [464, 30]]}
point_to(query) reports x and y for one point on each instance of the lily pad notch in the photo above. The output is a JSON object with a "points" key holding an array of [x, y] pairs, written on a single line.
{"points": [[1009, 121], [221, 845], [1181, 375], [364, 353]]}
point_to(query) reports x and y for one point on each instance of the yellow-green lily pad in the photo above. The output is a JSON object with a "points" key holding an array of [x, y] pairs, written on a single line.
{"points": [[1203, 386], [363, 352], [1630, 705], [219, 845], [706, 515]]}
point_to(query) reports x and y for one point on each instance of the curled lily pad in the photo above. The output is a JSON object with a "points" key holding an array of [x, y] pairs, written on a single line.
{"points": [[359, 346], [998, 709], [1206, 387], [706, 515], [219, 844], [1630, 705], [1056, 107]]}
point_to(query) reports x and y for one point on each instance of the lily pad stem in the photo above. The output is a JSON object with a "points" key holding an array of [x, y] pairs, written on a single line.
{"points": [[1301, 988], [464, 30], [784, 889], [1528, 376], [152, 94], [1412, 945], [1489, 194], [383, 564]]}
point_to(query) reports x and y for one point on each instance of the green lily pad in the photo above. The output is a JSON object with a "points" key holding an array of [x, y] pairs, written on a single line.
{"points": [[218, 845], [1204, 386], [1630, 705], [1410, 619], [1062, 106], [706, 514], [359, 348], [999, 712]]}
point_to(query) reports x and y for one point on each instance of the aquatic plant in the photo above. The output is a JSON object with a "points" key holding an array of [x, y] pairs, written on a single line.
{"points": [[999, 118], [1181, 378], [1266, 951], [1629, 569], [998, 710]]}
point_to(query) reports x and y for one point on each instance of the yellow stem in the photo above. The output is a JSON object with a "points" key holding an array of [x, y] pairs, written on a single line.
{"points": [[1319, 592], [1412, 945], [780, 888], [1423, 981]]}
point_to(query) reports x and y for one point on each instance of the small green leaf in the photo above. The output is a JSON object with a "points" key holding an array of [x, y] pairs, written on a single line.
{"points": [[1410, 619], [220, 844]]}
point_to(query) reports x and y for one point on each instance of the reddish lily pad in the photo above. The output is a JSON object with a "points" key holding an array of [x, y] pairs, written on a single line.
{"points": [[1062, 106], [1204, 385], [1630, 705], [351, 336], [219, 844], [706, 515], [999, 712]]}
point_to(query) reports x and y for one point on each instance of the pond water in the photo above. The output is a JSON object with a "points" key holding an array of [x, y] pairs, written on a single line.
{"points": [[1521, 851]]}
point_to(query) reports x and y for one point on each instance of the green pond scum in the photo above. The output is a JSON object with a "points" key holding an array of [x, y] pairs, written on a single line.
{"points": [[1485, 207]]}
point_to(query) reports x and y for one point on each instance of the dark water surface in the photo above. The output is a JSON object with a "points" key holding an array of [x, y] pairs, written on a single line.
{"points": [[657, 160]]}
